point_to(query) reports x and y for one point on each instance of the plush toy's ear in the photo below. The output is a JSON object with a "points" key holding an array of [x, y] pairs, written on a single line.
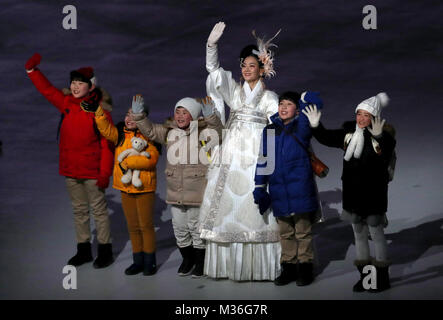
{"points": [[132, 139], [145, 143]]}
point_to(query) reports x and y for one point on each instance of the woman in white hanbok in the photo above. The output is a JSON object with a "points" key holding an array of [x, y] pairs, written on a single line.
{"points": [[241, 244]]}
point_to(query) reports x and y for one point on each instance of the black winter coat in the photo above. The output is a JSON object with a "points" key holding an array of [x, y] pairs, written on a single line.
{"points": [[364, 180]]}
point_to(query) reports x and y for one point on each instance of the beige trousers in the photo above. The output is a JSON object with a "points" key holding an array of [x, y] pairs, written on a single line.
{"points": [[85, 195], [296, 238]]}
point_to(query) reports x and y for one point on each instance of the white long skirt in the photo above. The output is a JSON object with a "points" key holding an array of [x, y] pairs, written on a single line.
{"points": [[241, 244]]}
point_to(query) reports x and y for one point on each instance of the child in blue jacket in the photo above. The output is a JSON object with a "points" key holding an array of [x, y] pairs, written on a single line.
{"points": [[292, 190]]}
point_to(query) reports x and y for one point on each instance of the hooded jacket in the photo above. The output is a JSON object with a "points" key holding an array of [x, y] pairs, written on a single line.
{"points": [[186, 181], [121, 138], [84, 153], [291, 184]]}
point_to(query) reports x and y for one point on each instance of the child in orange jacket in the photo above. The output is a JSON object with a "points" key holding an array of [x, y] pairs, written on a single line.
{"points": [[137, 201]]}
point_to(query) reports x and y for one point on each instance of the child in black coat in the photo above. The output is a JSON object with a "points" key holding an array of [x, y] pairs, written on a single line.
{"points": [[368, 146]]}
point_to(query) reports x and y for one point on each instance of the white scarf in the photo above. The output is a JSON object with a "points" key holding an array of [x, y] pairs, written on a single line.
{"points": [[356, 144], [250, 94]]}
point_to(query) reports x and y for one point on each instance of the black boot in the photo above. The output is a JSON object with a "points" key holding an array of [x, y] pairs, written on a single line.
{"points": [[104, 256], [83, 254], [360, 264], [149, 264], [137, 266], [383, 282], [188, 261], [199, 255], [288, 274], [358, 286], [305, 274]]}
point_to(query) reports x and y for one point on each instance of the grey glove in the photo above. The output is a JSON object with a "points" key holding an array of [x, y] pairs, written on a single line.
{"points": [[138, 104], [207, 106], [377, 127]]}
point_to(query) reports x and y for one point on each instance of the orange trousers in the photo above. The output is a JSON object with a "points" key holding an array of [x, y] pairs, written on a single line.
{"points": [[139, 213]]}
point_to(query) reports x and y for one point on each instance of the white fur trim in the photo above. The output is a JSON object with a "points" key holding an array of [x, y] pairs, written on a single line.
{"points": [[303, 97]]}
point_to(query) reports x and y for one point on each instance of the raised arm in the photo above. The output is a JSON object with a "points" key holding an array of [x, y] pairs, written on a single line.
{"points": [[152, 131], [303, 128], [106, 128], [211, 116], [330, 138], [51, 93], [308, 99], [219, 83], [384, 134], [106, 158]]}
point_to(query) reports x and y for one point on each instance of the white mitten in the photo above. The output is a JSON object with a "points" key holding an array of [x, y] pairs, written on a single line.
{"points": [[313, 115]]}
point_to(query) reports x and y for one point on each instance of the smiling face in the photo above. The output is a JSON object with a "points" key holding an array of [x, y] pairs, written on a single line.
{"points": [[363, 118], [287, 110], [182, 117], [250, 69], [80, 89], [129, 123]]}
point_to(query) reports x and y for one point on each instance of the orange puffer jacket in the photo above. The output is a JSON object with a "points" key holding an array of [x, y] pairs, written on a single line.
{"points": [[147, 166]]}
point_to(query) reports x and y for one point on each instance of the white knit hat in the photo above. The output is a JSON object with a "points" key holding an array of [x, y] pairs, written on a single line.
{"points": [[373, 105], [193, 106]]}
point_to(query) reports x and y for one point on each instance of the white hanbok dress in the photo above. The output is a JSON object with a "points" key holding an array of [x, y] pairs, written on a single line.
{"points": [[241, 244]]}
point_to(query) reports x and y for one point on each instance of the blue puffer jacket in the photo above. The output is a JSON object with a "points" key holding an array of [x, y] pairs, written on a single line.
{"points": [[291, 185]]}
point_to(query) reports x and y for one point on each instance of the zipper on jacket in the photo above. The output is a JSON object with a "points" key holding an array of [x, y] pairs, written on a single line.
{"points": [[283, 134]]}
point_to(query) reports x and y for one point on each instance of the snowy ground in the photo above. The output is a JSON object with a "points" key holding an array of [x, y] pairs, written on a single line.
{"points": [[157, 48]]}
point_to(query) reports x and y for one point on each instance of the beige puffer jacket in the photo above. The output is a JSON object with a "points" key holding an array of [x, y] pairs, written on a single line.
{"points": [[186, 180]]}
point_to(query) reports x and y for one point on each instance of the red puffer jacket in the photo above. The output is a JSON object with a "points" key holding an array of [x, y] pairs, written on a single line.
{"points": [[84, 153]]}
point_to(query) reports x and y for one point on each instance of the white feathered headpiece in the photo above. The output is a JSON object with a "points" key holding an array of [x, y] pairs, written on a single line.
{"points": [[265, 55]]}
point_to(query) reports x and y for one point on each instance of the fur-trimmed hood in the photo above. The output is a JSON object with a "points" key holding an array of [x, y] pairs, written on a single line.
{"points": [[106, 102]]}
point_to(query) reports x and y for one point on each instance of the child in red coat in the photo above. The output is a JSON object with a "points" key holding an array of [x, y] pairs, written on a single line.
{"points": [[86, 159]]}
